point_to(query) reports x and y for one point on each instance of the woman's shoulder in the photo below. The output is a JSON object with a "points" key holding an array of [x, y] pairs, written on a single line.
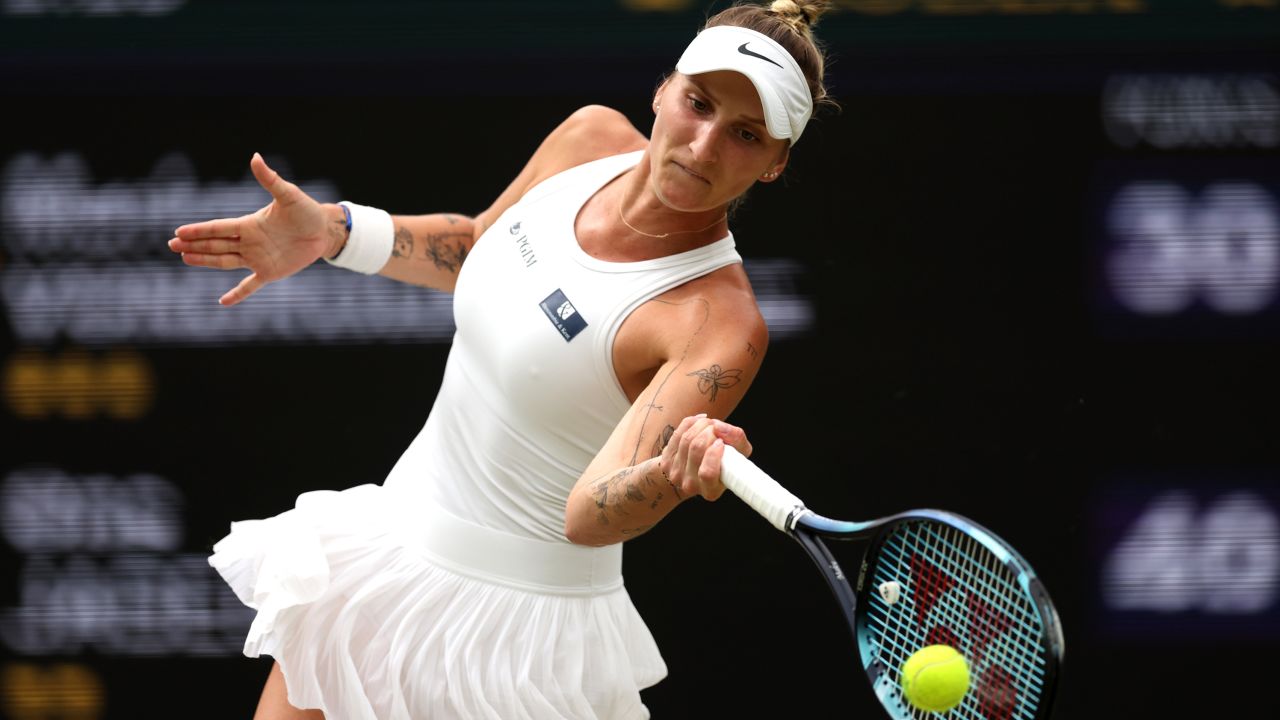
{"points": [[600, 131], [724, 294], [589, 133]]}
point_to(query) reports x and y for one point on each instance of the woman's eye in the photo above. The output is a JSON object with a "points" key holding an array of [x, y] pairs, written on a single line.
{"points": [[697, 104], [748, 135]]}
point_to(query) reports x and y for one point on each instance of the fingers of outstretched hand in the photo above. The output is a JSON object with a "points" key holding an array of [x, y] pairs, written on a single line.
{"points": [[214, 246], [282, 190], [220, 253], [221, 228], [218, 261], [247, 287]]}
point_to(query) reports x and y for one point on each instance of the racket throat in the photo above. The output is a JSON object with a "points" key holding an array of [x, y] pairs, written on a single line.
{"points": [[836, 579]]}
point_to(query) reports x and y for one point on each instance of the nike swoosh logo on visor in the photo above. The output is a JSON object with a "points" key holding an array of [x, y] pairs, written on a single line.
{"points": [[743, 49]]}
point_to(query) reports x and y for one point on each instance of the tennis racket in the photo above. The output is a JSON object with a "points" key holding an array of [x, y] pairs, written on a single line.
{"points": [[928, 577]]}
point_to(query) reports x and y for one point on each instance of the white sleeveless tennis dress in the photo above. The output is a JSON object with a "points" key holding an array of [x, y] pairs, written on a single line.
{"points": [[449, 590]]}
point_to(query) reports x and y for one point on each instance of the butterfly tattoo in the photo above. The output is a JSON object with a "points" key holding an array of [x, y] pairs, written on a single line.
{"points": [[714, 378]]}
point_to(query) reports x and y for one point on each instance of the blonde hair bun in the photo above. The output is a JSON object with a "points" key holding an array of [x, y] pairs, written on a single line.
{"points": [[799, 14]]}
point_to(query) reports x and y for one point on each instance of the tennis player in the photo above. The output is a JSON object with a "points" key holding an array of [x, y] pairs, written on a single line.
{"points": [[605, 329]]}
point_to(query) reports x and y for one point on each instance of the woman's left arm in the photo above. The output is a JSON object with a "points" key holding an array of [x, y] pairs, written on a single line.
{"points": [[668, 446]]}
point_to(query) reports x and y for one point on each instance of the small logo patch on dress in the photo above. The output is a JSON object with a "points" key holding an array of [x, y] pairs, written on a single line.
{"points": [[563, 315]]}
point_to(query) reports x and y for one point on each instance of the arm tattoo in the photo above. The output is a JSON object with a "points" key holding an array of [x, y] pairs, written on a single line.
{"points": [[404, 243], [614, 495], [658, 446], [447, 250], [653, 403], [665, 437], [712, 379], [753, 352]]}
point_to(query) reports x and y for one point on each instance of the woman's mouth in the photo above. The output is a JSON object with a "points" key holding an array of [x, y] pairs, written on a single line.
{"points": [[691, 173]]}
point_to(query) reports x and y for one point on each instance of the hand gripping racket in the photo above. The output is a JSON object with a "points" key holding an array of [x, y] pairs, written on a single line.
{"points": [[928, 577]]}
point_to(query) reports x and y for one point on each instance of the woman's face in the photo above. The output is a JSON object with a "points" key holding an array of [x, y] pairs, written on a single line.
{"points": [[709, 142]]}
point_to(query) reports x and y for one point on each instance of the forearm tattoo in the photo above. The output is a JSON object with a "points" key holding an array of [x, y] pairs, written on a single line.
{"points": [[404, 243], [616, 495], [446, 250]]}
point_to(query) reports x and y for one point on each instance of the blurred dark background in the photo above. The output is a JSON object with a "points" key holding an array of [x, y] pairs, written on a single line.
{"points": [[1028, 274]]}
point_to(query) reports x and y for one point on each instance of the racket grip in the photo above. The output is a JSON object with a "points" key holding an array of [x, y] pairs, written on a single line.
{"points": [[764, 494]]}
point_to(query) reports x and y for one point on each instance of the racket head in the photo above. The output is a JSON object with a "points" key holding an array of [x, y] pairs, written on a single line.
{"points": [[958, 584]]}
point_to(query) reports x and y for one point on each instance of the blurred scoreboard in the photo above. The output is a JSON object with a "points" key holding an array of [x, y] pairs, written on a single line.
{"points": [[1193, 560], [1182, 221], [1186, 215]]}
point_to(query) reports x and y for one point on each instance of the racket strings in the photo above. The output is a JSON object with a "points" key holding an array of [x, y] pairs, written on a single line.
{"points": [[985, 624], [977, 621], [957, 592], [995, 614]]}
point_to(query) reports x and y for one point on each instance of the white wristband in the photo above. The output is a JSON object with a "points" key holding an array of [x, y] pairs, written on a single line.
{"points": [[370, 241]]}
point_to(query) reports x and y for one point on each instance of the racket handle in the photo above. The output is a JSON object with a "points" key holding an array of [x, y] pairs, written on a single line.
{"points": [[764, 494]]}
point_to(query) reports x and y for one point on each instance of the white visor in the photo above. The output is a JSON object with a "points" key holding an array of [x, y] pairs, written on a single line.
{"points": [[784, 93]]}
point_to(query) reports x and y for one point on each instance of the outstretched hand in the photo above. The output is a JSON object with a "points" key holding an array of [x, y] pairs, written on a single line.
{"points": [[280, 239]]}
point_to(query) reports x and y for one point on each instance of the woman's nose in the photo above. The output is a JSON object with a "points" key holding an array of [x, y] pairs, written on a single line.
{"points": [[705, 143]]}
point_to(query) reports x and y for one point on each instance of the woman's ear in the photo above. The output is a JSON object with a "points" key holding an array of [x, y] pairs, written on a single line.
{"points": [[657, 94], [775, 170]]}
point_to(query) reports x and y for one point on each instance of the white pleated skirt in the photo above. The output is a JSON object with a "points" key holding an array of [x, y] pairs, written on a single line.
{"points": [[376, 607]]}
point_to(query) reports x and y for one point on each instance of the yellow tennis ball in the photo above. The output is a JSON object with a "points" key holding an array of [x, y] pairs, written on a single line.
{"points": [[935, 678]]}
